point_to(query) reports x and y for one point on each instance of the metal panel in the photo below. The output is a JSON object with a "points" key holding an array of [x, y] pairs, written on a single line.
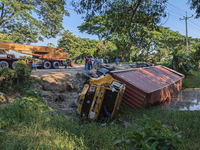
{"points": [[147, 86]]}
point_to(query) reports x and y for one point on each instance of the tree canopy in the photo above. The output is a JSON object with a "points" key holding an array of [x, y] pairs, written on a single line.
{"points": [[77, 46], [195, 4], [27, 21], [119, 17]]}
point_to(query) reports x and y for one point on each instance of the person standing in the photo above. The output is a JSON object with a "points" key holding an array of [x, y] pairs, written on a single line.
{"points": [[106, 61], [117, 62], [101, 61], [86, 63], [92, 62], [89, 63], [96, 62]]}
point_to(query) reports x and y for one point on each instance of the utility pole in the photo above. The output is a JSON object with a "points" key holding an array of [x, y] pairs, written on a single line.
{"points": [[186, 18]]}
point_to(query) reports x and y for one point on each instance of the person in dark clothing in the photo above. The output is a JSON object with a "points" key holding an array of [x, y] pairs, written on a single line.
{"points": [[96, 62], [86, 63], [106, 61], [89, 63]]}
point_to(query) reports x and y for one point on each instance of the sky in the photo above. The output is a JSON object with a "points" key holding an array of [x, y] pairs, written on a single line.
{"points": [[176, 9]]}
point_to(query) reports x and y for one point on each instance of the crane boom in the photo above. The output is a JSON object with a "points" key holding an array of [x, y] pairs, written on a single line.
{"points": [[22, 47]]}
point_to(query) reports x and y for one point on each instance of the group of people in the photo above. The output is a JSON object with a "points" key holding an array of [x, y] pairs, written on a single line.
{"points": [[91, 62]]}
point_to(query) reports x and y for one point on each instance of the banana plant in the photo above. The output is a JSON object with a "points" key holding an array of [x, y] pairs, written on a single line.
{"points": [[180, 61]]}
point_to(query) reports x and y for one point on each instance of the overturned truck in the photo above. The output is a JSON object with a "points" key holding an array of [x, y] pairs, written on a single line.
{"points": [[100, 98]]}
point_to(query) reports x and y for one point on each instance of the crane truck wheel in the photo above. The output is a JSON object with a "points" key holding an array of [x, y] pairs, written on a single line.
{"points": [[47, 65], [4, 64], [13, 64], [56, 64]]}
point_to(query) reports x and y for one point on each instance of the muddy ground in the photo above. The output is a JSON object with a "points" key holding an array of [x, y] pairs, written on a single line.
{"points": [[60, 87]]}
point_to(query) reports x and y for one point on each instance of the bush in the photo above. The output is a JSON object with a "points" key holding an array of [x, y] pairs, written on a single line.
{"points": [[11, 80], [152, 135], [22, 72], [7, 78]]}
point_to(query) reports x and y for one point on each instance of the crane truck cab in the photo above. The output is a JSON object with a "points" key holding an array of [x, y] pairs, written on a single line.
{"points": [[3, 54], [7, 60]]}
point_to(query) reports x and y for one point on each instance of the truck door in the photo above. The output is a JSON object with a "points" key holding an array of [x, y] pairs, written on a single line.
{"points": [[3, 54]]}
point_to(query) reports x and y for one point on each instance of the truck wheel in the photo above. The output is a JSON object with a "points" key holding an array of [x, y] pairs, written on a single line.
{"points": [[4, 64], [47, 65], [56, 64], [13, 64]]}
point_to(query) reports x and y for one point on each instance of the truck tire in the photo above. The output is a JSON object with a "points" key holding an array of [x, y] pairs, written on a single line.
{"points": [[13, 64], [4, 64], [47, 65], [56, 64]]}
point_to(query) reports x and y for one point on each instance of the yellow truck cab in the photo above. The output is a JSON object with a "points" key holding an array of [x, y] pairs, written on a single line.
{"points": [[100, 98]]}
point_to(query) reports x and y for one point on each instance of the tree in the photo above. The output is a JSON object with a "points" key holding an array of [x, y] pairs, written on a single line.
{"points": [[108, 18], [106, 49], [70, 42], [50, 45], [195, 4], [77, 46], [165, 39], [28, 21]]}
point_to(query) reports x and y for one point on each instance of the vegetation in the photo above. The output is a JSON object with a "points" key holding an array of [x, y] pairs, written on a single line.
{"points": [[29, 123], [152, 135], [194, 4], [31, 20], [18, 79], [192, 80], [129, 30]]}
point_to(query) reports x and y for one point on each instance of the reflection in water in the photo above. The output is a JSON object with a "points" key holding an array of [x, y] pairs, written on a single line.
{"points": [[187, 99]]}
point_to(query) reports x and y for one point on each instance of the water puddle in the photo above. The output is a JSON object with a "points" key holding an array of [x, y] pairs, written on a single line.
{"points": [[187, 99]]}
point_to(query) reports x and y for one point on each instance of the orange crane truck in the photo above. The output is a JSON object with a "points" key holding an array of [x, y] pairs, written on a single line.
{"points": [[44, 57]]}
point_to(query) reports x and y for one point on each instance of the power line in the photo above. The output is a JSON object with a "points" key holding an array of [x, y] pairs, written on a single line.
{"points": [[173, 15], [177, 8], [166, 20], [196, 20], [195, 24], [69, 9], [173, 10]]}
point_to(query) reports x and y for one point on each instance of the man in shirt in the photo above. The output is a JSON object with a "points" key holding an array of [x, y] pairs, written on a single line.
{"points": [[106, 61], [101, 61], [65, 64], [86, 64], [117, 62], [96, 62]]}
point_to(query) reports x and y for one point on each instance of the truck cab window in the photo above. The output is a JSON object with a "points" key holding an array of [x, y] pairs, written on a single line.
{"points": [[2, 51]]}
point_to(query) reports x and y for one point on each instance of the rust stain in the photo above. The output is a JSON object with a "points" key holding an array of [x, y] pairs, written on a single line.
{"points": [[147, 86]]}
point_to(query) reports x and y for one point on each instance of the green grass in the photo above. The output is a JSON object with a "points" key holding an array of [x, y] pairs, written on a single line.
{"points": [[30, 124], [192, 80]]}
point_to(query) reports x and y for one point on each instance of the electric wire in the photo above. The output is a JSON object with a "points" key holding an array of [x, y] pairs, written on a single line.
{"points": [[197, 26], [175, 11], [177, 8]]}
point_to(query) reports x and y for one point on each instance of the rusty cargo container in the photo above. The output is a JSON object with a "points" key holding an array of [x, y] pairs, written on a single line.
{"points": [[149, 85]]}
